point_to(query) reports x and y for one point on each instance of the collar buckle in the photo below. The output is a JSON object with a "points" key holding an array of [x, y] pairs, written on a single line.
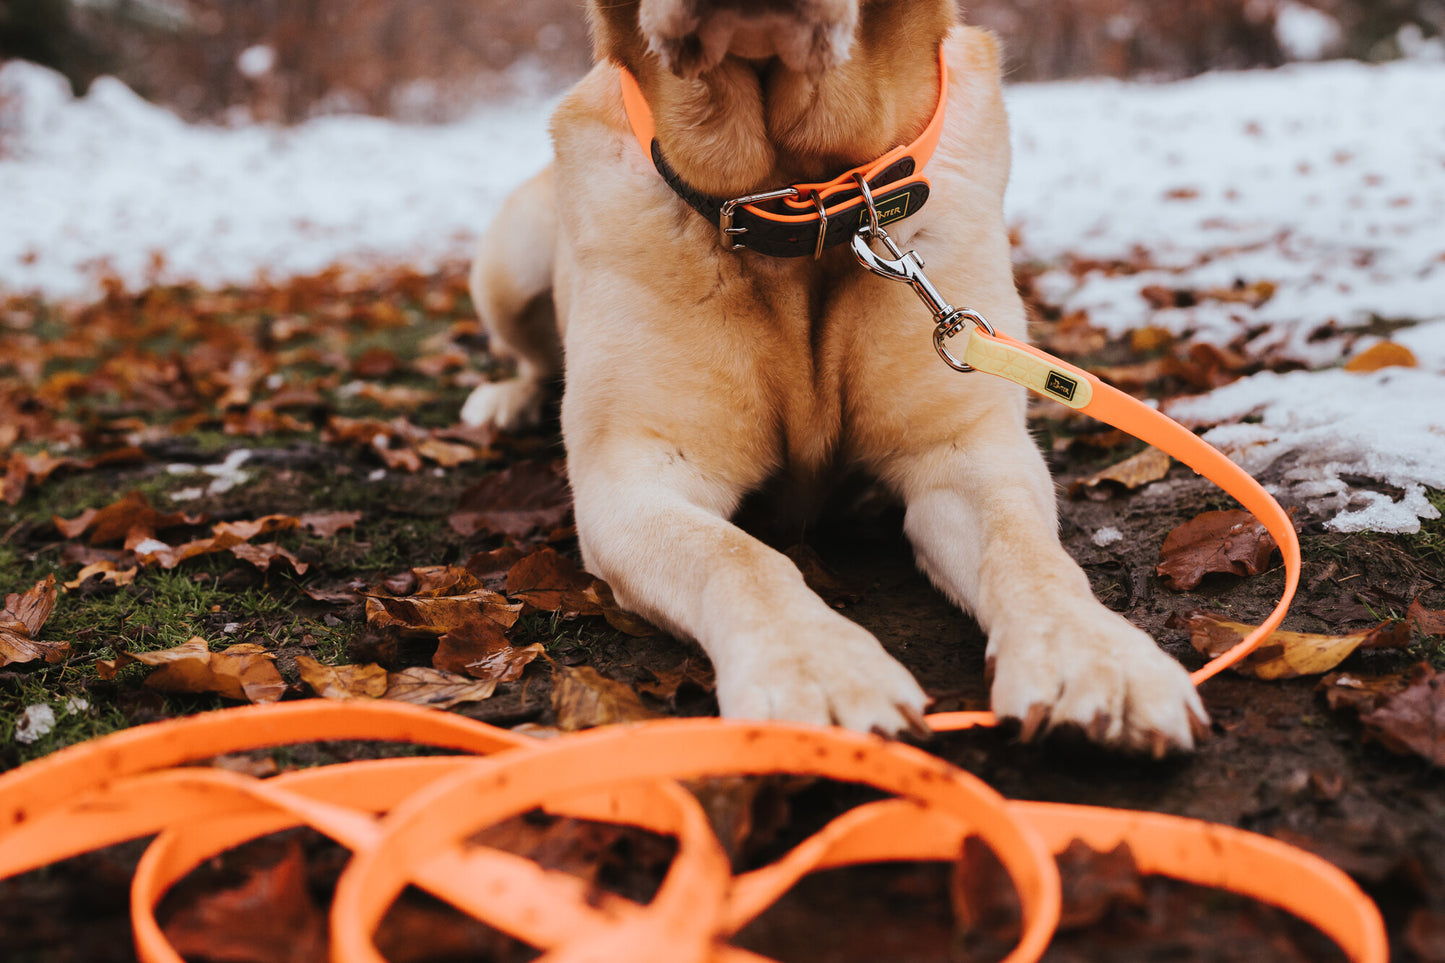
{"points": [[730, 233]]}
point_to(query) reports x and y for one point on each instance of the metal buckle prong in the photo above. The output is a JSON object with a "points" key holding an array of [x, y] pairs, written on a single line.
{"points": [[727, 231]]}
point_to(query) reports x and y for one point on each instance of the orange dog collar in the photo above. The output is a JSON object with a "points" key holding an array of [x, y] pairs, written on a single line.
{"points": [[804, 219]]}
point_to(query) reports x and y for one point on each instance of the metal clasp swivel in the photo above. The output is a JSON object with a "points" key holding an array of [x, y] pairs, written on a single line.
{"points": [[948, 320]]}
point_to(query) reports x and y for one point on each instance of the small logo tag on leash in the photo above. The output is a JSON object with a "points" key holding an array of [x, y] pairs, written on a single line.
{"points": [[1061, 384]]}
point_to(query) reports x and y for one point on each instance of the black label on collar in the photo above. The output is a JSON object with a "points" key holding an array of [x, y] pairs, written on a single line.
{"points": [[1061, 384], [889, 211]]}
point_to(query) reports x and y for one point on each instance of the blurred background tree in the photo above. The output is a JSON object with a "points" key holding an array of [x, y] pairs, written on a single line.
{"points": [[284, 60]]}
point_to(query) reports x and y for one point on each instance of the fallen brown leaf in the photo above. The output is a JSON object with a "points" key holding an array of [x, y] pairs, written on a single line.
{"points": [[422, 617], [108, 571], [629, 623], [441, 690], [342, 681], [24, 615], [130, 519], [479, 648], [1413, 721], [1361, 693], [1233, 542], [436, 581], [550, 582], [246, 671], [269, 916], [262, 556], [1287, 655], [583, 698], [327, 524], [523, 502], [1149, 465], [225, 536], [1426, 621], [686, 672]]}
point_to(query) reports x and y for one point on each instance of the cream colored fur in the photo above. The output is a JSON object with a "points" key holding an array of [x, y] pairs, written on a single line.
{"points": [[695, 374]]}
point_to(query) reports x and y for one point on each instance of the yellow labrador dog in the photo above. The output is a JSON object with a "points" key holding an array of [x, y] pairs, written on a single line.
{"points": [[716, 342]]}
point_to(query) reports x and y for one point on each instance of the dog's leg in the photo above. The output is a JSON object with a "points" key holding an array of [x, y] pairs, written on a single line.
{"points": [[652, 518], [982, 521], [511, 281]]}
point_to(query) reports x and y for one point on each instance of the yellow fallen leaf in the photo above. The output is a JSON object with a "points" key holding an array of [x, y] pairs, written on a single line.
{"points": [[367, 681], [1385, 354], [1149, 465], [1286, 655]]}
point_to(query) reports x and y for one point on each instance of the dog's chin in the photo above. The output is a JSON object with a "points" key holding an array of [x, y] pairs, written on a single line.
{"points": [[690, 46]]}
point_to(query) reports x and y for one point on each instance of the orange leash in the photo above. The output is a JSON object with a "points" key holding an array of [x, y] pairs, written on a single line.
{"points": [[407, 822]]}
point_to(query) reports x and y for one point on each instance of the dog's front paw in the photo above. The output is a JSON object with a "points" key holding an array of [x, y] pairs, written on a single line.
{"points": [[1093, 671], [510, 405], [826, 671]]}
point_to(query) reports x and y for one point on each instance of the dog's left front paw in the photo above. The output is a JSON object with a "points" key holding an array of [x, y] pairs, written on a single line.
{"points": [[1093, 671]]}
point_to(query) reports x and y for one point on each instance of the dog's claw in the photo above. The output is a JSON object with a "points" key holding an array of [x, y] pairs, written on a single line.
{"points": [[918, 726], [1198, 726], [1034, 722]]}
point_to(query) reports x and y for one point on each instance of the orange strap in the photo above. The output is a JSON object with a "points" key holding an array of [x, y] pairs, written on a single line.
{"points": [[407, 822]]}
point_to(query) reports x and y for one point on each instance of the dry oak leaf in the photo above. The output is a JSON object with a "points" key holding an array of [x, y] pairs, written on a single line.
{"points": [[367, 681], [1385, 354], [1149, 465], [629, 623], [327, 524], [263, 555], [107, 570], [524, 502], [246, 672], [688, 671], [24, 615], [1427, 621], [437, 581], [479, 648], [441, 690], [130, 520], [269, 915], [583, 698], [550, 582], [1413, 721], [1226, 541], [1287, 655], [226, 536], [422, 617], [1362, 693]]}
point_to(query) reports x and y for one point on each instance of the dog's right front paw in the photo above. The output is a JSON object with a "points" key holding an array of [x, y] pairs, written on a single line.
{"points": [[512, 404], [829, 673]]}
